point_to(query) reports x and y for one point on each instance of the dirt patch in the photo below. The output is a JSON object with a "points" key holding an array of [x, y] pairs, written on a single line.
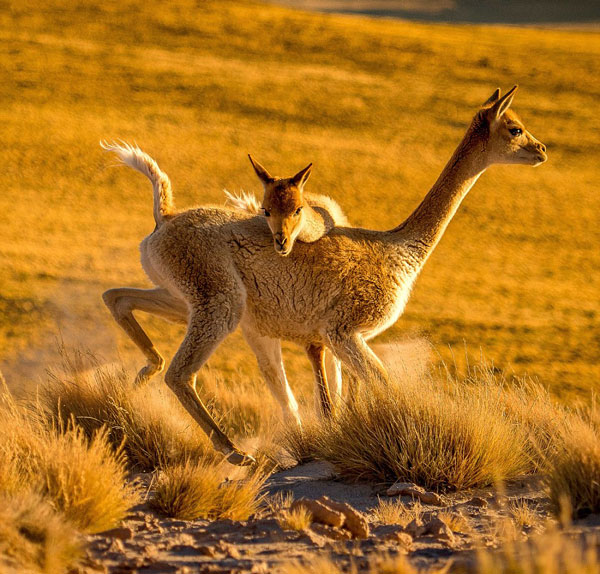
{"points": [[146, 542]]}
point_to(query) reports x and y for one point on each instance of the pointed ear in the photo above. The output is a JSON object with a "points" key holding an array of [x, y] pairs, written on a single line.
{"points": [[302, 176], [492, 99], [503, 103], [261, 172]]}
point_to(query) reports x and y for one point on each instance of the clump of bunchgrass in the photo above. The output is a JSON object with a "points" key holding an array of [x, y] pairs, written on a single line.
{"points": [[34, 537], [84, 478], [297, 519], [150, 423], [199, 490], [394, 511], [551, 552], [447, 435], [573, 468]]}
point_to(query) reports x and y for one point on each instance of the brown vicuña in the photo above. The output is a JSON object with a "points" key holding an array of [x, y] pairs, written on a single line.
{"points": [[215, 269]]}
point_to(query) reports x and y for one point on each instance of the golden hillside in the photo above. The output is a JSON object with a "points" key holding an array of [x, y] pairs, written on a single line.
{"points": [[378, 106]]}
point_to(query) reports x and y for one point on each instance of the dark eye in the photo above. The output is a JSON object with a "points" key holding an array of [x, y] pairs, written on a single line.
{"points": [[298, 211], [266, 212], [515, 131]]}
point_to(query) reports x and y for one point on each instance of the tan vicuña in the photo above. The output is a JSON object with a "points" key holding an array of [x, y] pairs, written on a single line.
{"points": [[215, 269]]}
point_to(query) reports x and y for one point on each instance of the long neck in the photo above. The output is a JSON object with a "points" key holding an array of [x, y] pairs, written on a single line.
{"points": [[423, 229]]}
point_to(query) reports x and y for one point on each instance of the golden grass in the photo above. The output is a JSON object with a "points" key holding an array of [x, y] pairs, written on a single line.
{"points": [[84, 478], [444, 436], [549, 553], [298, 519], [524, 514], [381, 106], [394, 511], [148, 421], [573, 469], [198, 490], [35, 538]]}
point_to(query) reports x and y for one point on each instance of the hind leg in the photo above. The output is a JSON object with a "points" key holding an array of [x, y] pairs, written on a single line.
{"points": [[354, 352], [333, 370], [211, 320], [270, 363], [124, 300], [323, 402]]}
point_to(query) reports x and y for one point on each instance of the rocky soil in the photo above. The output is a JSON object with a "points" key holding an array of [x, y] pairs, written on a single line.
{"points": [[448, 529]]}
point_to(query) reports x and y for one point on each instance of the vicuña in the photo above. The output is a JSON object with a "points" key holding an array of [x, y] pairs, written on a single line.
{"points": [[215, 269]]}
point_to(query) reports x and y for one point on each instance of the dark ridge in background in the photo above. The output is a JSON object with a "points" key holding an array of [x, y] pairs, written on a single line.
{"points": [[542, 12]]}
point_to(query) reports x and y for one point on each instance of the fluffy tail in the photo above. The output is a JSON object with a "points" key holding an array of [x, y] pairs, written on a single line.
{"points": [[134, 157], [244, 201]]}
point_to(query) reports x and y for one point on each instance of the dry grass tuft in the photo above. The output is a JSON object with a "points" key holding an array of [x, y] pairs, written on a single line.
{"points": [[547, 553], [301, 442], [149, 421], [35, 538], [524, 514], [396, 512], [298, 519], [573, 469], [443, 436], [197, 490], [83, 478]]}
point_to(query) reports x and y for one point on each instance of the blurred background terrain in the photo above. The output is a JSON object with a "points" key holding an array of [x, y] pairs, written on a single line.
{"points": [[530, 12], [377, 104]]}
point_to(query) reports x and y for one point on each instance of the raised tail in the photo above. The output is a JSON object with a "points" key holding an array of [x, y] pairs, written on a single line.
{"points": [[244, 201], [134, 157]]}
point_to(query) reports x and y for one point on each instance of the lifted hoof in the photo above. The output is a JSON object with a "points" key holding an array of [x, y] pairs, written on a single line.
{"points": [[240, 459]]}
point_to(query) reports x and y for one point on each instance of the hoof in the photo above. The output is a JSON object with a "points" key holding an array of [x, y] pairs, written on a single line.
{"points": [[147, 372], [240, 459]]}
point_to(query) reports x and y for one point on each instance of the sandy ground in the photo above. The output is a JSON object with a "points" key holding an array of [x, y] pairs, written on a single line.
{"points": [[147, 543]]}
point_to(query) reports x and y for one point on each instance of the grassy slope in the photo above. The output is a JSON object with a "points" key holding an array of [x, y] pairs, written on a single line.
{"points": [[377, 105]]}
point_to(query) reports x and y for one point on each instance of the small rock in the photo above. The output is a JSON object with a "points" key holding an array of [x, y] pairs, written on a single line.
{"points": [[355, 522], [403, 538], [439, 529], [122, 533], [477, 501], [320, 512], [410, 489], [403, 489], [206, 551], [234, 553], [415, 528], [331, 532], [430, 498], [312, 537]]}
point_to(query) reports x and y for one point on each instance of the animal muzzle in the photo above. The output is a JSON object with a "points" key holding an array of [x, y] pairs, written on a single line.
{"points": [[538, 150], [282, 245]]}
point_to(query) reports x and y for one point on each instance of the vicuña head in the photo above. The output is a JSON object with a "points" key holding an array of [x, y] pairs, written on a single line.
{"points": [[283, 205], [508, 141]]}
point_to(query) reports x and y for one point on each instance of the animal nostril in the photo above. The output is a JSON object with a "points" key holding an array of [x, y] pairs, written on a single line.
{"points": [[543, 148], [283, 241]]}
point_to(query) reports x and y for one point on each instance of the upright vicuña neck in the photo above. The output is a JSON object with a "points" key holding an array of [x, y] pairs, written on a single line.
{"points": [[427, 223]]}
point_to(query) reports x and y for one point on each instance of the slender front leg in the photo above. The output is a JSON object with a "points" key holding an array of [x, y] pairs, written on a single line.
{"points": [[124, 300], [323, 402], [207, 328], [270, 363]]}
